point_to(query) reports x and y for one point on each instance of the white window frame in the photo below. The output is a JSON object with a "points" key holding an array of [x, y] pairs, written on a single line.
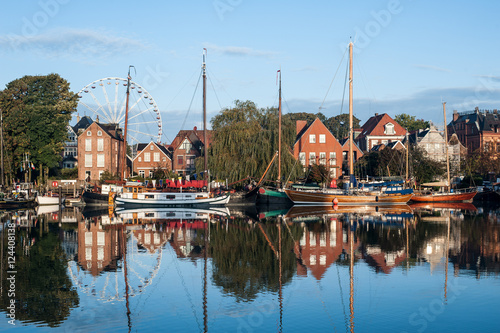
{"points": [[312, 158], [312, 138], [156, 157], [88, 144], [147, 157], [100, 144], [141, 173], [389, 129], [100, 161], [322, 138], [88, 160], [322, 158], [333, 158]]}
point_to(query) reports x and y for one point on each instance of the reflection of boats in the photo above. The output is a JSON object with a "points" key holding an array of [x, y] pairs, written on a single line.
{"points": [[46, 209], [364, 213], [350, 197], [171, 213], [444, 205]]}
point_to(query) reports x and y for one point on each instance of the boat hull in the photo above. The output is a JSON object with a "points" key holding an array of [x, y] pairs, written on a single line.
{"points": [[444, 197], [161, 199], [324, 198], [272, 197], [43, 200], [95, 199]]}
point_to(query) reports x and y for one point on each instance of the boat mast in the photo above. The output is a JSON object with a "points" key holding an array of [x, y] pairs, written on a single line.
{"points": [[205, 143], [351, 163], [446, 146], [124, 150], [1, 148], [279, 133]]}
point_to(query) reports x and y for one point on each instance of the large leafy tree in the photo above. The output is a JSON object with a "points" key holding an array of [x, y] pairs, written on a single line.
{"points": [[339, 125], [36, 112], [245, 139], [410, 123]]}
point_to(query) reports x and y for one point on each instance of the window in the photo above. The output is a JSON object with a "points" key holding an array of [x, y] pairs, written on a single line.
{"points": [[140, 159], [100, 160], [322, 138], [99, 133], [312, 158], [100, 173], [385, 142], [141, 173], [302, 158], [389, 128], [88, 144], [88, 160], [151, 147], [89, 133], [180, 160], [156, 157], [374, 143], [322, 158], [147, 157], [186, 145], [333, 158], [100, 144], [312, 138]]}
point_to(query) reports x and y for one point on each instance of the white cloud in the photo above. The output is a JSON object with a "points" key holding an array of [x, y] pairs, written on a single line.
{"points": [[77, 45], [239, 51]]}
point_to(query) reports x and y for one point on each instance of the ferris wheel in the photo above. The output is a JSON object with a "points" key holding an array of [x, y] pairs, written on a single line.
{"points": [[106, 100]]}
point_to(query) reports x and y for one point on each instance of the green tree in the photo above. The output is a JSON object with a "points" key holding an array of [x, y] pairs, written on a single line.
{"points": [[410, 123], [36, 113], [245, 140], [339, 125]]}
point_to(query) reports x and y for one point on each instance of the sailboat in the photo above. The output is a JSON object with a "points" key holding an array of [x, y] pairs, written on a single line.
{"points": [[135, 193], [465, 195], [274, 196], [389, 195]]}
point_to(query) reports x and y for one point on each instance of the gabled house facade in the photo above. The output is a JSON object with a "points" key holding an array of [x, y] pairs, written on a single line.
{"points": [[478, 129], [149, 157], [100, 150], [315, 144], [432, 141], [185, 148], [356, 153], [379, 129], [70, 152]]}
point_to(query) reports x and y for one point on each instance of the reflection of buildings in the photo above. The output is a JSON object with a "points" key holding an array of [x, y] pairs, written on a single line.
{"points": [[321, 245], [151, 238], [382, 260], [185, 239], [99, 249]]}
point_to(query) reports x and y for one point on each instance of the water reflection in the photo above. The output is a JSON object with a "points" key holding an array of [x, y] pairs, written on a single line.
{"points": [[120, 259]]}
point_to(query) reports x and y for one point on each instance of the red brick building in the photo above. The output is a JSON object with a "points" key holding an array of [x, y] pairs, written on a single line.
{"points": [[185, 148], [99, 149], [476, 129], [379, 129], [315, 144], [151, 156]]}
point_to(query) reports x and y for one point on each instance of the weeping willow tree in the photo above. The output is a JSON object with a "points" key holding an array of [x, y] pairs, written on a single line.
{"points": [[244, 141]]}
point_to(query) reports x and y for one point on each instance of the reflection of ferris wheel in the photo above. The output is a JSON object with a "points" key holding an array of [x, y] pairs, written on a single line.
{"points": [[106, 99], [109, 286]]}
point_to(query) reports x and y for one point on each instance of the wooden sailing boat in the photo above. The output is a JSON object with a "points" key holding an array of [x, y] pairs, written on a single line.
{"points": [[275, 196], [447, 196], [351, 196], [137, 194]]}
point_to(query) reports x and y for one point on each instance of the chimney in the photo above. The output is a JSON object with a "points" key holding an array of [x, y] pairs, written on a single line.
{"points": [[455, 115], [495, 111], [97, 119], [195, 128], [376, 114], [301, 124], [77, 118]]}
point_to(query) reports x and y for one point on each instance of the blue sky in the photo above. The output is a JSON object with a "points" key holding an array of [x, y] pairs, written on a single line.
{"points": [[409, 55]]}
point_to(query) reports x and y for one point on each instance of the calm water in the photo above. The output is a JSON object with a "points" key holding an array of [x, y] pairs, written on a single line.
{"points": [[399, 269]]}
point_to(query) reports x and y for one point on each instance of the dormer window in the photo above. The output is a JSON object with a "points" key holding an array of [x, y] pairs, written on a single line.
{"points": [[186, 145], [389, 129]]}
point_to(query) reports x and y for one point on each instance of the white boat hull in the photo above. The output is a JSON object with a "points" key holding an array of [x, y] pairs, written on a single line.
{"points": [[41, 200], [170, 198]]}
